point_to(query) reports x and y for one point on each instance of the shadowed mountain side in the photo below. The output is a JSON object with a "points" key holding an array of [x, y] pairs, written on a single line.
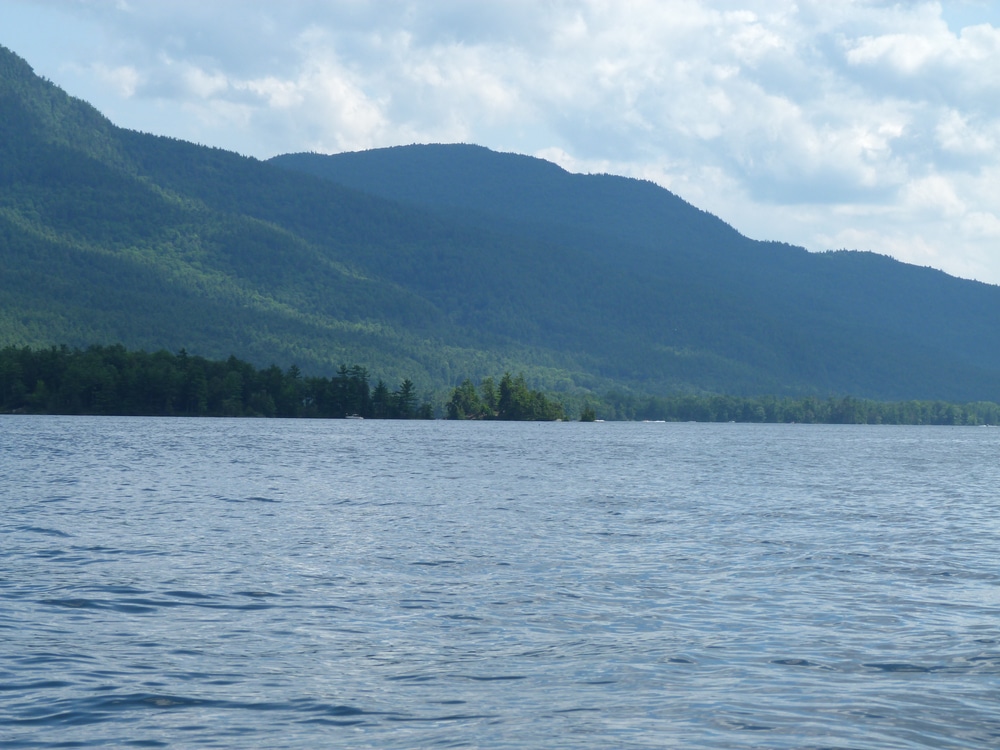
{"points": [[844, 321]]}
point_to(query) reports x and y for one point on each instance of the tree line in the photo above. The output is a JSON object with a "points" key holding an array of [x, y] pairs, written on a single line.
{"points": [[805, 410], [510, 400], [110, 380]]}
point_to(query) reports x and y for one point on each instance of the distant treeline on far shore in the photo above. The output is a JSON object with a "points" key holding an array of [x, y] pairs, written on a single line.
{"points": [[110, 380], [807, 410]]}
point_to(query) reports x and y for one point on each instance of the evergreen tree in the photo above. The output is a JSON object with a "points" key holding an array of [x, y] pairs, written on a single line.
{"points": [[381, 401], [464, 402], [405, 401]]}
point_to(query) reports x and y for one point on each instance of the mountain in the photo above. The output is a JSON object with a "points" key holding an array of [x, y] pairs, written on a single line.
{"points": [[444, 262], [108, 235], [839, 321]]}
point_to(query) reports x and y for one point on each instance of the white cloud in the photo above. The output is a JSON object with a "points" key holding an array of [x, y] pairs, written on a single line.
{"points": [[935, 196], [930, 62], [906, 53], [955, 133], [124, 79], [203, 84], [278, 93], [857, 123]]}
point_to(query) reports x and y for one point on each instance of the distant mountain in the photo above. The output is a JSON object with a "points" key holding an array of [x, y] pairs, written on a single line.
{"points": [[768, 316], [444, 262]]}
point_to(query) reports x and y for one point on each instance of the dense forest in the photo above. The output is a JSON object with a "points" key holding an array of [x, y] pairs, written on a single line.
{"points": [[438, 263], [110, 380], [510, 400]]}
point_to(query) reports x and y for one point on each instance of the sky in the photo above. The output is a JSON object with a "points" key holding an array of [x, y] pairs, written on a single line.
{"points": [[829, 124]]}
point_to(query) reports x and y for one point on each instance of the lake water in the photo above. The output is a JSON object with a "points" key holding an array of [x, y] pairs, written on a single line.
{"points": [[303, 584]]}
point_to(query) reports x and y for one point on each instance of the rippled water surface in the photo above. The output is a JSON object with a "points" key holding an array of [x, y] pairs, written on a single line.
{"points": [[300, 584]]}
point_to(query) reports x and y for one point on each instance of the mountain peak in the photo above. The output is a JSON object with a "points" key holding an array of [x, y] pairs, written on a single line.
{"points": [[13, 66], [523, 189], [36, 110]]}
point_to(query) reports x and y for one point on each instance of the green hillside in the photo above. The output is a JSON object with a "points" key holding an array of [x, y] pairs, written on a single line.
{"points": [[110, 236], [440, 263], [843, 322]]}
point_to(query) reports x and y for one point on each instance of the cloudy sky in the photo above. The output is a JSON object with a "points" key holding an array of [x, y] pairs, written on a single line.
{"points": [[825, 123]]}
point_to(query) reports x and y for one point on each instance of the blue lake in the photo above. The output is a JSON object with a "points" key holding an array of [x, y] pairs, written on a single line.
{"points": [[302, 584]]}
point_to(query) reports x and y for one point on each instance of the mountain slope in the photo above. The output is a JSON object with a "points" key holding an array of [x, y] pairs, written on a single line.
{"points": [[109, 235], [843, 321], [444, 262]]}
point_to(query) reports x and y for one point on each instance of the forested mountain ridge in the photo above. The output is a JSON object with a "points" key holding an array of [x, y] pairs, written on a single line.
{"points": [[108, 235], [848, 321], [438, 263]]}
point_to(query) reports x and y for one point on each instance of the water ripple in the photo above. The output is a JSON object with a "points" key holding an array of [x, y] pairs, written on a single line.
{"points": [[220, 583]]}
